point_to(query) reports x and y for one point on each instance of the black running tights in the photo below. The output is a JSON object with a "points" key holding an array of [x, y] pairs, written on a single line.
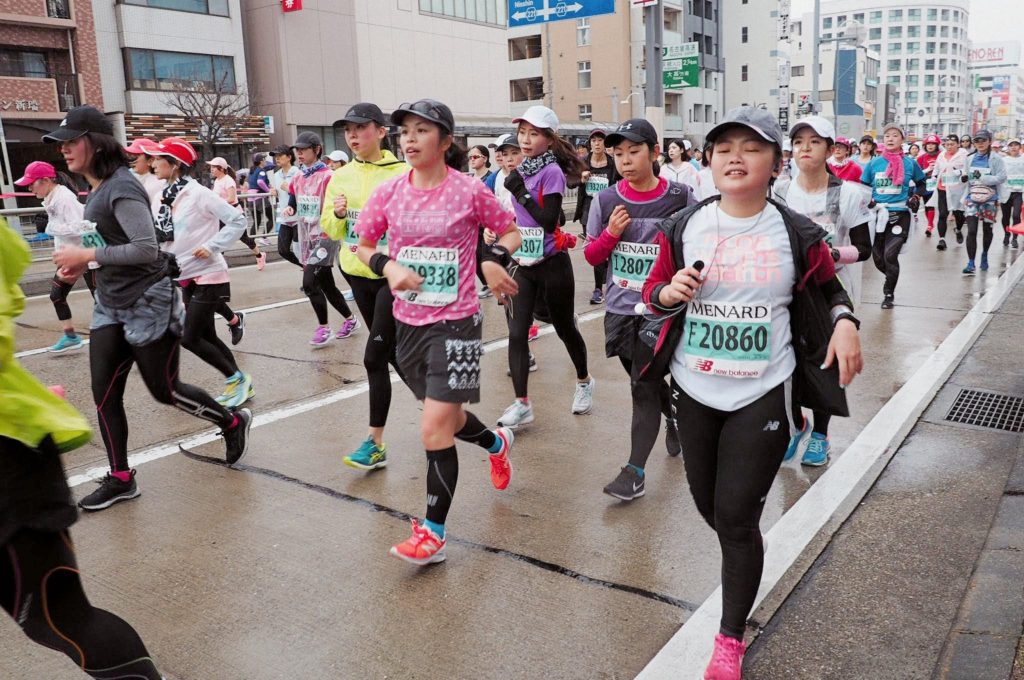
{"points": [[972, 237], [111, 358], [59, 290], [651, 400], [958, 215], [286, 236], [1012, 209], [200, 336], [553, 278], [319, 286], [376, 304], [886, 249], [731, 459]]}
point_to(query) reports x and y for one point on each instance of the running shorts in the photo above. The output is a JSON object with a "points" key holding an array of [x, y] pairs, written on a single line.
{"points": [[442, 360]]}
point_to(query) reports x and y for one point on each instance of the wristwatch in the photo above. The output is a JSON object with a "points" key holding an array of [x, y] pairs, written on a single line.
{"points": [[499, 254], [844, 312]]}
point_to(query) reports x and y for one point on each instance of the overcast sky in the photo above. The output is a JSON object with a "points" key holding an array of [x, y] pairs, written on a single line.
{"points": [[991, 20]]}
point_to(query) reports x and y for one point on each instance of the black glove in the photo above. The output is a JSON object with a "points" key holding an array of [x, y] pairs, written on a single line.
{"points": [[515, 184], [835, 255], [914, 203], [964, 178]]}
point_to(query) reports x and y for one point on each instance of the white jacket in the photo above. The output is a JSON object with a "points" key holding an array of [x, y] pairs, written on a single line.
{"points": [[197, 214], [949, 171], [686, 174]]}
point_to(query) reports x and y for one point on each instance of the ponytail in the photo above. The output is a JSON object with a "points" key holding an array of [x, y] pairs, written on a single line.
{"points": [[571, 164], [65, 180], [230, 172], [456, 155]]}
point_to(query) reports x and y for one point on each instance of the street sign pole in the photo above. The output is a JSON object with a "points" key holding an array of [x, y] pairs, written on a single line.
{"points": [[654, 93]]}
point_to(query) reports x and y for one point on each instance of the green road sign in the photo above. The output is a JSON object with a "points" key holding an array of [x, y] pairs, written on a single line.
{"points": [[680, 66]]}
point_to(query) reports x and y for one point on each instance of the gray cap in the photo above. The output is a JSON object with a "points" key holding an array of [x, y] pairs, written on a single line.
{"points": [[307, 140], [757, 119], [983, 134]]}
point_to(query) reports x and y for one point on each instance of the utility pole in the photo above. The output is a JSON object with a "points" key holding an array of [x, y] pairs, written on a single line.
{"points": [[815, 63], [654, 92], [549, 84], [615, 104]]}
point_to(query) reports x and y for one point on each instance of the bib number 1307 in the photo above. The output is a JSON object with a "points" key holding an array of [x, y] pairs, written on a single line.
{"points": [[439, 268]]}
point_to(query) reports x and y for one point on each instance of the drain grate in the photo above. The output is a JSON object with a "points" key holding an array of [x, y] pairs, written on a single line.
{"points": [[988, 409]]}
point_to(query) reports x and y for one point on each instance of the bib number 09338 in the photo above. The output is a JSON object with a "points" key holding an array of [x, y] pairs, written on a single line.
{"points": [[439, 268]]}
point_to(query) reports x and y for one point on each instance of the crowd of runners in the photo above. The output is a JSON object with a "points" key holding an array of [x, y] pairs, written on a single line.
{"points": [[729, 276]]}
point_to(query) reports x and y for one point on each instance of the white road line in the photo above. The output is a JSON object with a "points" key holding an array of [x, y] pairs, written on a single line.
{"points": [[835, 495], [298, 408]]}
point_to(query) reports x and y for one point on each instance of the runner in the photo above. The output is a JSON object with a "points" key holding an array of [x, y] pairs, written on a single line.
{"points": [[317, 250], [1014, 163], [284, 159], [840, 163], [867, 148], [140, 167], [366, 129], [138, 318], [841, 209], [40, 586], [63, 213], [985, 177], [480, 168], [257, 181], [950, 168], [432, 216], [707, 180], [543, 268], [965, 144], [225, 185], [623, 222], [197, 226], [679, 168], [337, 159], [927, 160], [732, 428], [599, 175], [890, 176], [913, 151]]}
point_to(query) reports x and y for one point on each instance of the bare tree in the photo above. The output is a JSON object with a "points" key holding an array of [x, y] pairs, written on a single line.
{"points": [[217, 110]]}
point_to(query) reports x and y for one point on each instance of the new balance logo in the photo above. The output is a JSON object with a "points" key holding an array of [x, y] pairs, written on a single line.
{"points": [[704, 365], [772, 426]]}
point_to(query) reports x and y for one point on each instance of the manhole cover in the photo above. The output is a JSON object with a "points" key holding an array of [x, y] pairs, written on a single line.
{"points": [[988, 409]]}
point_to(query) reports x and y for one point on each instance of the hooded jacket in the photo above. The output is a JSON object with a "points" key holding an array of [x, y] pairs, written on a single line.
{"points": [[356, 180]]}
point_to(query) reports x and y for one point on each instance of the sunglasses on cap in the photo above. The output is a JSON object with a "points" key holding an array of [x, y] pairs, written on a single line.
{"points": [[428, 109]]}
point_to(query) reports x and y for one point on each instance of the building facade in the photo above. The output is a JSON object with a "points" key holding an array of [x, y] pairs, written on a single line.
{"points": [[997, 81], [848, 89], [759, 55]]}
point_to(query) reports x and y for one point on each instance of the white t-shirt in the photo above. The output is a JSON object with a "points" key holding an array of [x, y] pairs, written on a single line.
{"points": [[737, 344], [685, 174], [707, 185], [1014, 173]]}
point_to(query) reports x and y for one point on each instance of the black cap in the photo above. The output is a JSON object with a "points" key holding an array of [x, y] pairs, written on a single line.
{"points": [[635, 130], [983, 134], [430, 109], [307, 140], [951, 138], [281, 149], [363, 112], [598, 132], [867, 138], [80, 120]]}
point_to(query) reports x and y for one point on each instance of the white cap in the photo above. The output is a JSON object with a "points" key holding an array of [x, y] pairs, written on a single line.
{"points": [[218, 162], [539, 117], [338, 156], [821, 126], [787, 145], [687, 144]]}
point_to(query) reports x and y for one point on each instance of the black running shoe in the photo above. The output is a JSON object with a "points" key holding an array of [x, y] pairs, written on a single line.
{"points": [[887, 302], [672, 444], [112, 490], [1006, 239], [238, 330], [236, 439], [941, 245], [959, 236], [1014, 243], [627, 486]]}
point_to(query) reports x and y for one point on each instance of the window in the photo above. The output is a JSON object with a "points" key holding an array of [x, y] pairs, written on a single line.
{"points": [[895, 48], [913, 15], [875, 47], [943, 48], [743, 73], [23, 64], [583, 75], [929, 64], [696, 113], [826, 36], [895, 15], [929, 96], [894, 65], [153, 70], [709, 47], [913, 64], [913, 48], [912, 97], [582, 31], [526, 89], [586, 112], [933, 14], [945, 15], [912, 81], [942, 65], [876, 17], [491, 12], [58, 9], [743, 34], [930, 48], [875, 34], [932, 31], [526, 47], [796, 71], [826, 23], [929, 80], [859, 18], [893, 80], [913, 31], [216, 7], [895, 31]]}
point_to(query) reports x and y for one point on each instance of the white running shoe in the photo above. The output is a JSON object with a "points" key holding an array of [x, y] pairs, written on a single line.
{"points": [[583, 400], [516, 415]]}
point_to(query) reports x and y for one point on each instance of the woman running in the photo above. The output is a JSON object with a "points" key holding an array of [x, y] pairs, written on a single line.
{"points": [[985, 177], [890, 176], [1014, 187], [737, 337], [189, 227], [366, 129], [932, 146], [317, 250], [867, 148], [138, 317], [64, 213], [841, 164], [841, 209], [599, 175], [480, 168], [623, 222], [432, 216], [680, 168], [143, 171], [543, 267], [284, 159], [40, 585], [225, 185], [949, 168]]}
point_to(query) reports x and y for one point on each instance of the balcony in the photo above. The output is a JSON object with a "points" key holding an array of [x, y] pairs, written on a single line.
{"points": [[58, 9], [37, 96]]}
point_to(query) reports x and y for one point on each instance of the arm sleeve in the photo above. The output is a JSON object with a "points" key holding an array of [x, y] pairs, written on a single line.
{"points": [[234, 221], [136, 221], [599, 249], [548, 216], [860, 250]]}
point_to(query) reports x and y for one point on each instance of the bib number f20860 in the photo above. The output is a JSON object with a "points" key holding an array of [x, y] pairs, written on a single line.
{"points": [[728, 340], [631, 263], [532, 249], [439, 268]]}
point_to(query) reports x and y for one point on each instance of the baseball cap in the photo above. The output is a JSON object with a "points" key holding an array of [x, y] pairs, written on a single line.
{"points": [[80, 121], [687, 144], [983, 134], [338, 156], [428, 109], [821, 126], [952, 138], [307, 140], [598, 132], [845, 141], [36, 170], [364, 112], [867, 138], [507, 139], [539, 117], [635, 130], [141, 146], [1013, 141], [932, 139], [218, 162], [757, 119], [281, 150], [896, 127], [176, 148]]}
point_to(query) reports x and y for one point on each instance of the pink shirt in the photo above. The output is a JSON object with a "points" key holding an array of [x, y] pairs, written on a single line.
{"points": [[434, 229], [223, 184]]}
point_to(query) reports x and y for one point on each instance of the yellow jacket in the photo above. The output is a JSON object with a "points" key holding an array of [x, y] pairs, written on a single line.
{"points": [[356, 181], [28, 411]]}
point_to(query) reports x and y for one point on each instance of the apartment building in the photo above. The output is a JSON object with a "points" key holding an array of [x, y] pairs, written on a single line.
{"points": [[756, 40], [848, 88]]}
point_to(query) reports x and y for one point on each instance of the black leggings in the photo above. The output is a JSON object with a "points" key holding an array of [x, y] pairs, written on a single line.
{"points": [[731, 459], [1011, 210], [552, 278], [319, 286], [651, 399], [286, 236], [376, 304], [958, 215], [821, 420], [600, 275], [41, 590], [886, 249], [59, 291], [200, 336], [110, 360], [972, 237]]}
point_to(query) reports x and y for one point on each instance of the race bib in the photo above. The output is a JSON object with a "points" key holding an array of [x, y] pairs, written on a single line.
{"points": [[1015, 183], [532, 249], [631, 263], [308, 207], [439, 268], [93, 239], [596, 184], [351, 237], [728, 340], [931, 183], [884, 185]]}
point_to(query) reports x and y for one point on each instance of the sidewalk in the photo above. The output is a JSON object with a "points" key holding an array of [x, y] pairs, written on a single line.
{"points": [[926, 578]]}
